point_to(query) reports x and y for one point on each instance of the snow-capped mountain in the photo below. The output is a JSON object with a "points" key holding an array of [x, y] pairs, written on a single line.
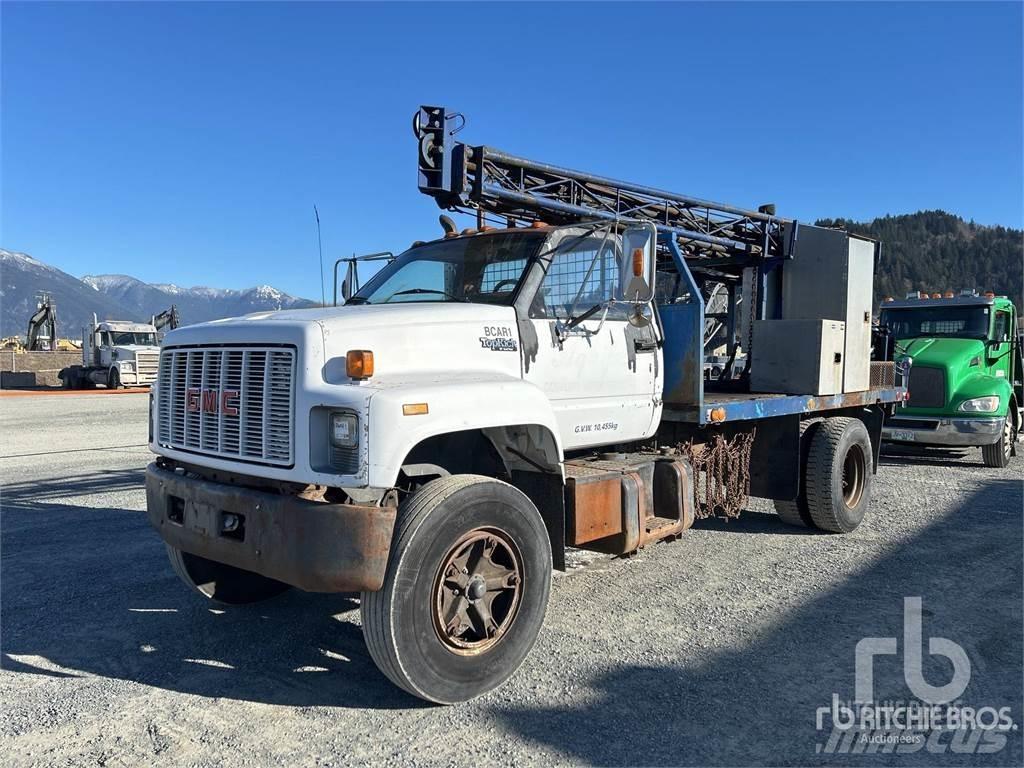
{"points": [[121, 297], [194, 304]]}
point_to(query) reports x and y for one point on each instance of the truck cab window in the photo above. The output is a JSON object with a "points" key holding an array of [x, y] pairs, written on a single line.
{"points": [[582, 275], [484, 268], [1001, 327], [129, 338], [960, 322]]}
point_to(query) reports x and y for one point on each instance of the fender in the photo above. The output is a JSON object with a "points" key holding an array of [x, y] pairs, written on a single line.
{"points": [[983, 385], [487, 401]]}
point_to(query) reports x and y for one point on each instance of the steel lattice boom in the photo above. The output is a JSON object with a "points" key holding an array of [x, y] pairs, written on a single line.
{"points": [[711, 235]]}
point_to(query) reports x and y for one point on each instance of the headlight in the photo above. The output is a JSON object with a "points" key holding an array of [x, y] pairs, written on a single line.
{"points": [[981, 404], [345, 430], [127, 364]]}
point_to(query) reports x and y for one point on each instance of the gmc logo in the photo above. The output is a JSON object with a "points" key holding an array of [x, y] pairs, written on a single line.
{"points": [[211, 401]]}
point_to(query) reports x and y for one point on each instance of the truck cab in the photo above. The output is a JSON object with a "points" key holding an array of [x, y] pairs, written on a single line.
{"points": [[493, 397], [964, 362], [115, 353]]}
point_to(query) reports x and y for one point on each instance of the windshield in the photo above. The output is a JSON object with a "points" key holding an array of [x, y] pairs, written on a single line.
{"points": [[127, 338], [960, 322], [483, 269]]}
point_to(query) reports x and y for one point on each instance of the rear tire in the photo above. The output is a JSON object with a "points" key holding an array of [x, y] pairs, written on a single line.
{"points": [[222, 583], [465, 592], [997, 455], [839, 473], [795, 512]]}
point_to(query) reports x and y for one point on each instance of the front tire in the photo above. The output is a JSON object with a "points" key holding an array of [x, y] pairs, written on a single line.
{"points": [[465, 592], [222, 583], [113, 379], [997, 455], [839, 474]]}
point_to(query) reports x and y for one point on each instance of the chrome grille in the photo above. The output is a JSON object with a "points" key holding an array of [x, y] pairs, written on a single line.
{"points": [[230, 402], [927, 387], [146, 365]]}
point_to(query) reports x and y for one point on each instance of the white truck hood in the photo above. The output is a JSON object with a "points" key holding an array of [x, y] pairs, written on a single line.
{"points": [[422, 339], [128, 351]]}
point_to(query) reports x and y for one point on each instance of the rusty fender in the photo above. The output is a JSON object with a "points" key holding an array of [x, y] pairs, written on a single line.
{"points": [[315, 546]]}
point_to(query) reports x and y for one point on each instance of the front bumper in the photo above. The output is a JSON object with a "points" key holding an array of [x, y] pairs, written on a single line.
{"points": [[311, 545], [937, 430]]}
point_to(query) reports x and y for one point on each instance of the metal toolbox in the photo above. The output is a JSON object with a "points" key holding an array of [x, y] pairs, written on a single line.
{"points": [[831, 278], [796, 357]]}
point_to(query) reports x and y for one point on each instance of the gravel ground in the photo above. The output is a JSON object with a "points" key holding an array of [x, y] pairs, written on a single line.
{"points": [[714, 649]]}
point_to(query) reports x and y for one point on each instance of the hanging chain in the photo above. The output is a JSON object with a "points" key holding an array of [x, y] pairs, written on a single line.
{"points": [[721, 472]]}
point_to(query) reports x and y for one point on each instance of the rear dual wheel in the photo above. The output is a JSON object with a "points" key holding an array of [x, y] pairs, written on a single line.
{"points": [[837, 470], [795, 512], [465, 591]]}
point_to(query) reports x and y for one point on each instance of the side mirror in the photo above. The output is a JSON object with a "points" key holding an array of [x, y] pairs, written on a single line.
{"points": [[349, 285], [639, 243]]}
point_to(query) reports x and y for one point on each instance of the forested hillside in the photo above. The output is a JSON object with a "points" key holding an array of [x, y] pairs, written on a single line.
{"points": [[935, 251]]}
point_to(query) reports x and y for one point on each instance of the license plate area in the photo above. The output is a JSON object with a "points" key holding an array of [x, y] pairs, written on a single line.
{"points": [[904, 435], [207, 520]]}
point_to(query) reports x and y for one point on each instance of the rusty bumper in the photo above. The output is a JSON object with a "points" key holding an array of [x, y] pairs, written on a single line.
{"points": [[311, 545]]}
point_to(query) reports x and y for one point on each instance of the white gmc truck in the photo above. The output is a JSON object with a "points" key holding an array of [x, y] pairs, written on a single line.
{"points": [[486, 400]]}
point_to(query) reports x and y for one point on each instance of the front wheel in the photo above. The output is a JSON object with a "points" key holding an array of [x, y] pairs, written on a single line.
{"points": [[998, 454], [465, 592], [113, 379]]}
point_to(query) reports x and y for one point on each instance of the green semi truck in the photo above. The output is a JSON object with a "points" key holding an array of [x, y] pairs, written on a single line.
{"points": [[964, 356]]}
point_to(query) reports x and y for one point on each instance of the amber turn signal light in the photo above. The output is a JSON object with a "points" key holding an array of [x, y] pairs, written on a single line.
{"points": [[359, 363], [638, 262]]}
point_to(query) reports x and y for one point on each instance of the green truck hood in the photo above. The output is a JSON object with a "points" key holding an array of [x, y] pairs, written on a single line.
{"points": [[951, 354], [963, 380]]}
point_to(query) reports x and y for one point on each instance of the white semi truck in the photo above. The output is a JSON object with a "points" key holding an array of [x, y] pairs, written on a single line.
{"points": [[490, 398], [115, 353]]}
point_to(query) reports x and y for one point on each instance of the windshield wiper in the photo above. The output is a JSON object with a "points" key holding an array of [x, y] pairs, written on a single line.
{"points": [[426, 290], [356, 300]]}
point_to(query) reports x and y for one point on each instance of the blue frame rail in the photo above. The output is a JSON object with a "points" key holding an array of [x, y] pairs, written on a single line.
{"points": [[746, 407]]}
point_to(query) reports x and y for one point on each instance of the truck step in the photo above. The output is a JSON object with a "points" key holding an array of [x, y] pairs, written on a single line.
{"points": [[657, 528], [657, 523]]}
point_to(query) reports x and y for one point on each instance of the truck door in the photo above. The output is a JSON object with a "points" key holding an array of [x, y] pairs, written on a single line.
{"points": [[1001, 350], [602, 376]]}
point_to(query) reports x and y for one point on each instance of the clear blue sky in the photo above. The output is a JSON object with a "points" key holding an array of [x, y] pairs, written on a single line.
{"points": [[188, 143]]}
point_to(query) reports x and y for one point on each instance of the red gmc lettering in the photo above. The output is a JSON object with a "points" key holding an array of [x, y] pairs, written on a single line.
{"points": [[226, 408], [210, 400]]}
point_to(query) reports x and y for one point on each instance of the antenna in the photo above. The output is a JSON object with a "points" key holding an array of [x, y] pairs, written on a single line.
{"points": [[320, 247]]}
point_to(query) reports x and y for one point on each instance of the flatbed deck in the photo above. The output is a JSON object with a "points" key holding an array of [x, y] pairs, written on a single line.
{"points": [[743, 406]]}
